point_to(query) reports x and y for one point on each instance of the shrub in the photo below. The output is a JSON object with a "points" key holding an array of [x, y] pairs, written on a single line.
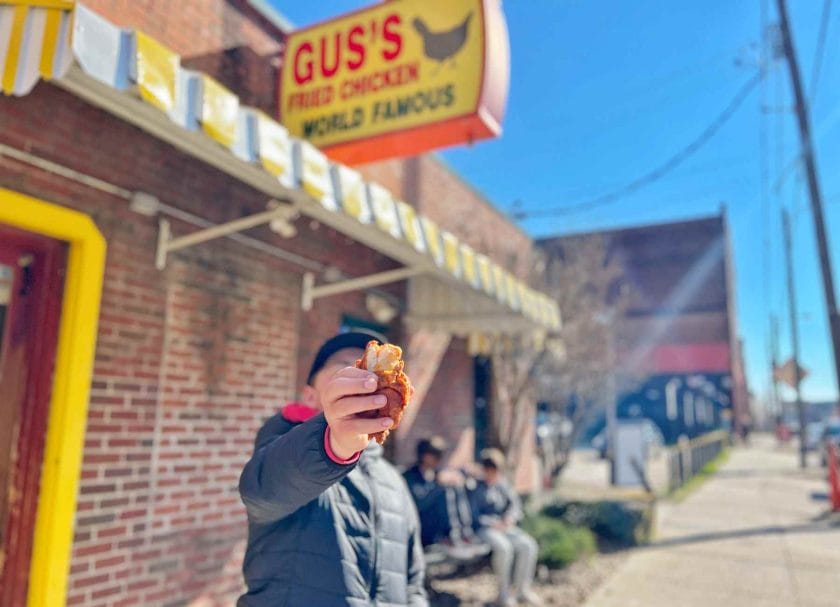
{"points": [[618, 524], [560, 543]]}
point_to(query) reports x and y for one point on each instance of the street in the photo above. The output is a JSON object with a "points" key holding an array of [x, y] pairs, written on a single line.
{"points": [[754, 535]]}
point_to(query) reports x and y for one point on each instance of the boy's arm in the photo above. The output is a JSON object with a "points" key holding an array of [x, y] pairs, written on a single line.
{"points": [[485, 515], [289, 471], [514, 510]]}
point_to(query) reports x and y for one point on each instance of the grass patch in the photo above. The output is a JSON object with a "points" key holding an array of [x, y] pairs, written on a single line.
{"points": [[695, 482], [560, 543]]}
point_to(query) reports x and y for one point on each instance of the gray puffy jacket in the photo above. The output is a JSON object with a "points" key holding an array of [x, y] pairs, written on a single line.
{"points": [[323, 534]]}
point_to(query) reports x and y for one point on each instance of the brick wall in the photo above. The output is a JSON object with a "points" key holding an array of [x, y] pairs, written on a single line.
{"points": [[226, 39], [189, 361], [447, 410], [186, 368], [434, 189]]}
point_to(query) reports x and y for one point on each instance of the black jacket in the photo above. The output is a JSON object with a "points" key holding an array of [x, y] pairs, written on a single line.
{"points": [[323, 534], [424, 489], [430, 499]]}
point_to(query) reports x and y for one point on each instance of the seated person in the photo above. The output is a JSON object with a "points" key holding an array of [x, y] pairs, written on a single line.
{"points": [[442, 502], [514, 552]]}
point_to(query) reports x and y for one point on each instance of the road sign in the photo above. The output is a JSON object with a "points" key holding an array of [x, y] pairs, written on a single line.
{"points": [[787, 373]]}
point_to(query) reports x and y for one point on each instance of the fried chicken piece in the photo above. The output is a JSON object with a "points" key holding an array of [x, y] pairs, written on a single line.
{"points": [[386, 362]]}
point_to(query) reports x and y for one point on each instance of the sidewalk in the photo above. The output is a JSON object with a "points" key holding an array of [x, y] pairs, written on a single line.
{"points": [[588, 476], [752, 536]]}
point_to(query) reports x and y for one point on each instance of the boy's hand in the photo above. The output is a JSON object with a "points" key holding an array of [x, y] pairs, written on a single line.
{"points": [[348, 406], [451, 478]]}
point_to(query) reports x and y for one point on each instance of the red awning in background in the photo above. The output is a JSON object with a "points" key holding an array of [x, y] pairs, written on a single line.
{"points": [[691, 358]]}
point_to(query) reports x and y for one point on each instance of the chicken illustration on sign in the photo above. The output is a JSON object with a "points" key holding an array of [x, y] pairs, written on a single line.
{"points": [[442, 46], [398, 78]]}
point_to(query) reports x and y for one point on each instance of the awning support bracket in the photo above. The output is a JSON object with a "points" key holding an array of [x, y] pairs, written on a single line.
{"points": [[283, 212], [310, 292]]}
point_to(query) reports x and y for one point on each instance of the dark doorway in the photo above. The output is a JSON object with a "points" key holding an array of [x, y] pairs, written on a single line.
{"points": [[483, 391]]}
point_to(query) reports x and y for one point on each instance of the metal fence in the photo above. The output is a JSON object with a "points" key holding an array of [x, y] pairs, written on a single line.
{"points": [[688, 458]]}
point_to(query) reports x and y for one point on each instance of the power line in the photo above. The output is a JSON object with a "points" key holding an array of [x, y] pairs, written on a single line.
{"points": [[661, 171], [820, 51]]}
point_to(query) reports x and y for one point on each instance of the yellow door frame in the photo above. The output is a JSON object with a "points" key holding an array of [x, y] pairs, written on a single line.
{"points": [[53, 537]]}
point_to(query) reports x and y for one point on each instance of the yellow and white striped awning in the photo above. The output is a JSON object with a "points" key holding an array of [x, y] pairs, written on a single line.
{"points": [[34, 42], [140, 80]]}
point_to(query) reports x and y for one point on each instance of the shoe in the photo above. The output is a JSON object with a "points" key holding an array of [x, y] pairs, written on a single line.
{"points": [[506, 602], [529, 597]]}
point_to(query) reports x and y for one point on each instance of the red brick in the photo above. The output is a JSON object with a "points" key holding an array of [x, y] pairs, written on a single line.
{"points": [[90, 489], [83, 582], [112, 531], [112, 472], [133, 542], [129, 514], [89, 550], [79, 567], [105, 592], [109, 562], [141, 585]]}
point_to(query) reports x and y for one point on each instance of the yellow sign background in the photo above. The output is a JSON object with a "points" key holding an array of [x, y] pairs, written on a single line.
{"points": [[328, 108]]}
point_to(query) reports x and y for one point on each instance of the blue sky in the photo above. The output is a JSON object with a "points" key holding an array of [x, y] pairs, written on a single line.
{"points": [[602, 92]]}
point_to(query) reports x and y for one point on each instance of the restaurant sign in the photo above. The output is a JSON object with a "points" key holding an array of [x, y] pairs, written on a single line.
{"points": [[397, 79]]}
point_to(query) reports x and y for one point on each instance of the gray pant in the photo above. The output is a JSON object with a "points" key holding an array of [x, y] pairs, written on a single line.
{"points": [[514, 558], [460, 513]]}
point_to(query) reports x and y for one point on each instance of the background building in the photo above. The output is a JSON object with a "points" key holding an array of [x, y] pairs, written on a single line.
{"points": [[677, 341]]}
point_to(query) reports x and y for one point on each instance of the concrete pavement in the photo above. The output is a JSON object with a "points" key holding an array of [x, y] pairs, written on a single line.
{"points": [[755, 535]]}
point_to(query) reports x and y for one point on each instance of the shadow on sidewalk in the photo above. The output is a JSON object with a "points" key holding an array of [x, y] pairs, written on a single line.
{"points": [[739, 473], [821, 523]]}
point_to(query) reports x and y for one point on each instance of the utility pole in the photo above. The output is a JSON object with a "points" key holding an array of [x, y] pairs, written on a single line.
{"points": [[794, 337], [778, 409], [611, 403], [813, 186]]}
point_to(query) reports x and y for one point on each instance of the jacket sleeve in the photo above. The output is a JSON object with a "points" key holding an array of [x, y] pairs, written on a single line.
{"points": [[416, 567], [514, 508], [288, 471], [482, 509]]}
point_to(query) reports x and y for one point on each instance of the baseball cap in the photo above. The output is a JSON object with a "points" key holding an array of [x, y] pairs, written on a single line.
{"points": [[351, 339], [436, 445], [493, 458]]}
